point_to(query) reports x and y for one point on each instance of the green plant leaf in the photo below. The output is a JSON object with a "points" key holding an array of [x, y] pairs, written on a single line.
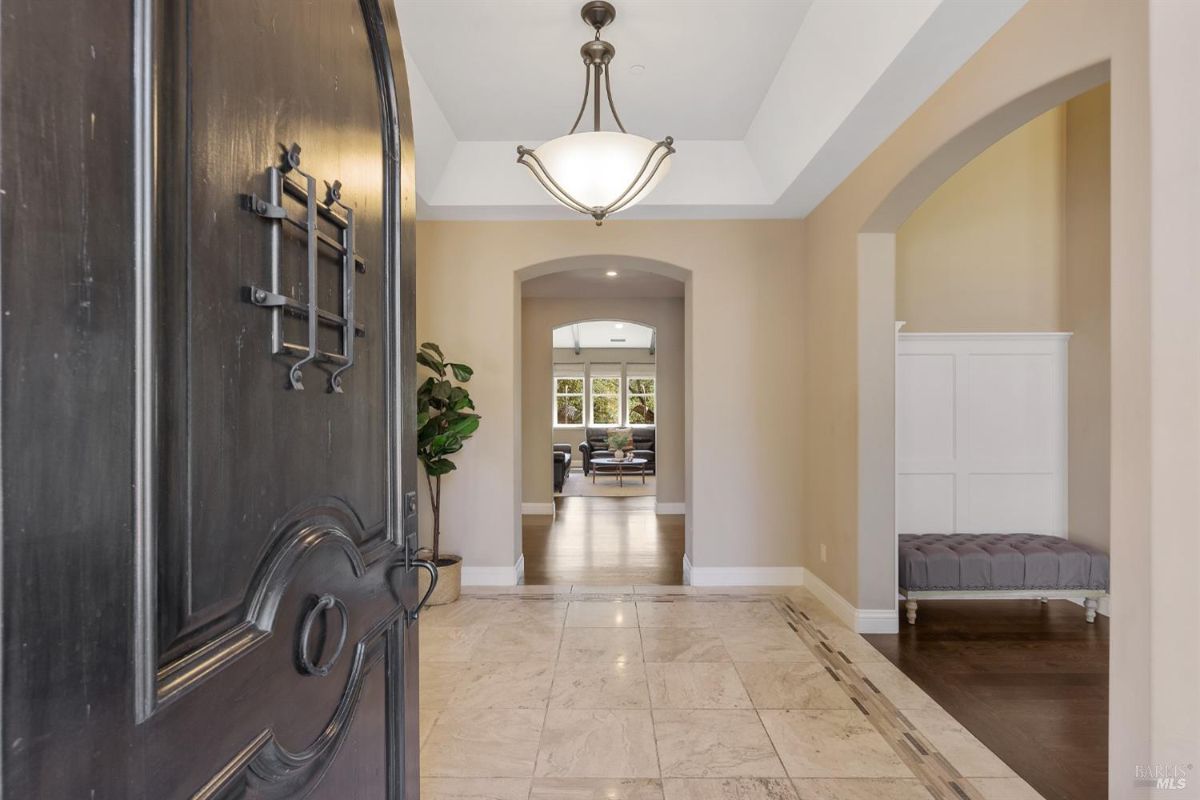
{"points": [[439, 466], [432, 363], [443, 421], [465, 426], [425, 435]]}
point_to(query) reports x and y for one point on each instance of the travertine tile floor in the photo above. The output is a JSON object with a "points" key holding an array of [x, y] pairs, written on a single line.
{"points": [[676, 693]]}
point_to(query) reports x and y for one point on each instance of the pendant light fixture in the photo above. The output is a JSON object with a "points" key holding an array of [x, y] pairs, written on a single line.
{"points": [[598, 172]]}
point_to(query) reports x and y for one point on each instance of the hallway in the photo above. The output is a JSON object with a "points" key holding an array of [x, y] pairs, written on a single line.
{"points": [[678, 694], [604, 541]]}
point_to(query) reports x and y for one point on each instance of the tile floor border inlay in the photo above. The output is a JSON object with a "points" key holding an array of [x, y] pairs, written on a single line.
{"points": [[918, 753], [914, 749]]}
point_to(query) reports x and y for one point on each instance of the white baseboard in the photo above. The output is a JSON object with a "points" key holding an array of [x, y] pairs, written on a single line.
{"points": [[687, 570], [862, 620], [537, 509], [670, 508], [744, 576], [494, 576], [876, 620]]}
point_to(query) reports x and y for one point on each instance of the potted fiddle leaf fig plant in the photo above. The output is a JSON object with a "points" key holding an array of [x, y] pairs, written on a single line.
{"points": [[445, 419]]}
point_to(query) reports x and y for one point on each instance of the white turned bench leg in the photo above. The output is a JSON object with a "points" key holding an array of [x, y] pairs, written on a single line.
{"points": [[1090, 604], [910, 606]]}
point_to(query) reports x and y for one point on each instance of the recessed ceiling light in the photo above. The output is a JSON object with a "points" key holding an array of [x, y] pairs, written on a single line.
{"points": [[612, 273]]}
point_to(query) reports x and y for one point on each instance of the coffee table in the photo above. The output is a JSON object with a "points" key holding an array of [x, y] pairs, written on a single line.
{"points": [[612, 466]]}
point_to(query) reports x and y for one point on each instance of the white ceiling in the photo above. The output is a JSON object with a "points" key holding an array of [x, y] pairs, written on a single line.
{"points": [[512, 70], [772, 102], [597, 283], [604, 333]]}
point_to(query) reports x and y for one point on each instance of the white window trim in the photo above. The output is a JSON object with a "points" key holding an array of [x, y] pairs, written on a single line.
{"points": [[555, 394], [620, 395], [628, 393], [588, 410]]}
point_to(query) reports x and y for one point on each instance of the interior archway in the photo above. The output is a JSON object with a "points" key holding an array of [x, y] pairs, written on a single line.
{"points": [[577, 289], [877, 568]]}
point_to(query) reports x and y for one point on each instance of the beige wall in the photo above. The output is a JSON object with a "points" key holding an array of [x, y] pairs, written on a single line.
{"points": [[743, 278], [1162, 568], [984, 252], [1086, 311], [1018, 240], [1049, 52], [539, 317]]}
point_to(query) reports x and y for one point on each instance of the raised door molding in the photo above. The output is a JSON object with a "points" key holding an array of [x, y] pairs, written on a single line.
{"points": [[981, 433]]}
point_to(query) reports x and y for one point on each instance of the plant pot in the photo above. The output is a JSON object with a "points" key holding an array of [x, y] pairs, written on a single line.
{"points": [[449, 584]]}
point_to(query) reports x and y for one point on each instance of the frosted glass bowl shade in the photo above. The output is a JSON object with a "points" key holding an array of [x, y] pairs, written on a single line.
{"points": [[598, 168]]}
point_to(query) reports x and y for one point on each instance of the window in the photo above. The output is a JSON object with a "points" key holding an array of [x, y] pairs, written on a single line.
{"points": [[606, 394], [640, 393], [568, 397]]}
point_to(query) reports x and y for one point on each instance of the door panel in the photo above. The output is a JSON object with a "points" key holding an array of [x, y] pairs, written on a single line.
{"points": [[228, 390], [207, 548]]}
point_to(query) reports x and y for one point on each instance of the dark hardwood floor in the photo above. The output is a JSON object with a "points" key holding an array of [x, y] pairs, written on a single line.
{"points": [[1030, 680], [604, 541]]}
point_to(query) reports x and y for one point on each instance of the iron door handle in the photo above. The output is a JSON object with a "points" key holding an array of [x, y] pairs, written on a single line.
{"points": [[432, 569], [323, 603]]}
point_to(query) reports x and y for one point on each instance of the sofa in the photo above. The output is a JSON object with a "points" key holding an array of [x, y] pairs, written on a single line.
{"points": [[595, 445], [562, 465]]}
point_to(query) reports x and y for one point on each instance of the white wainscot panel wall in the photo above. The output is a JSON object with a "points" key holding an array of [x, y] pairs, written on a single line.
{"points": [[981, 433]]}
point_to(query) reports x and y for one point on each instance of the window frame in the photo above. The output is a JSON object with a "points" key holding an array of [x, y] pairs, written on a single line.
{"points": [[581, 394], [618, 395], [630, 394]]}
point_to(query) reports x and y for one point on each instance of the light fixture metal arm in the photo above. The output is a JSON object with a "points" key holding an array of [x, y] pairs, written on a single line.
{"points": [[596, 80], [587, 85], [612, 106]]}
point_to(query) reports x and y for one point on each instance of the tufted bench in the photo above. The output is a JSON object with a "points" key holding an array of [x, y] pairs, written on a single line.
{"points": [[949, 565]]}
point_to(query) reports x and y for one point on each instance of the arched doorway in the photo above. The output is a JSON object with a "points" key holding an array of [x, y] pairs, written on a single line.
{"points": [[592, 525], [931, 399], [877, 328]]}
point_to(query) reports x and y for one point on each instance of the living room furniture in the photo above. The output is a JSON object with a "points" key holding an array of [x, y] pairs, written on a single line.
{"points": [[562, 465], [595, 445], [946, 566], [612, 466]]}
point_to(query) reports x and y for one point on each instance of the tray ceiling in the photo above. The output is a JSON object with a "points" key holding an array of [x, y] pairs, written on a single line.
{"points": [[772, 102]]}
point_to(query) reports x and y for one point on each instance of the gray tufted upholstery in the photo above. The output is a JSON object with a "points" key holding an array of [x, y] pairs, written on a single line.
{"points": [[947, 561]]}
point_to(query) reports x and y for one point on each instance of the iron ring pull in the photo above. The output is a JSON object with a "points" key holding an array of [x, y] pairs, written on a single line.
{"points": [[432, 569], [324, 603]]}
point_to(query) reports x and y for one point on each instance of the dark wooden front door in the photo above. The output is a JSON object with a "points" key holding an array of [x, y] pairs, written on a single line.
{"points": [[206, 280]]}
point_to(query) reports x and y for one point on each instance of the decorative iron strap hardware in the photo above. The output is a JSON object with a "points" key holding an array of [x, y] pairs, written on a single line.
{"points": [[281, 184]]}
